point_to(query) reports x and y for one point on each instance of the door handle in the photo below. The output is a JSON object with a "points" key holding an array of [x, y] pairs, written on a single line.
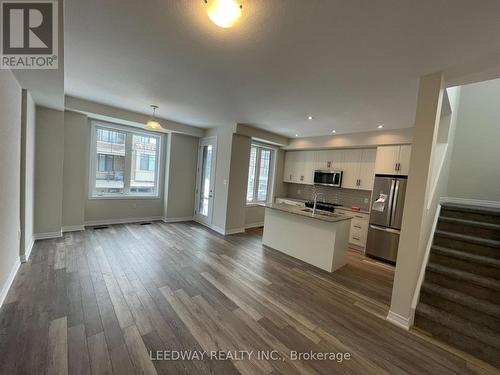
{"points": [[382, 229]]}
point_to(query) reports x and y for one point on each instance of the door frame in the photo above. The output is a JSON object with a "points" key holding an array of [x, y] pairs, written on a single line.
{"points": [[203, 142]]}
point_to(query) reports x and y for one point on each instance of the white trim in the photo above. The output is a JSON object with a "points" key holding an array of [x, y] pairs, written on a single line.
{"points": [[254, 225], [123, 221], [471, 202], [398, 320], [46, 236], [220, 230], [27, 252], [437, 175], [9, 281], [73, 228], [177, 219], [234, 231], [416, 293]]}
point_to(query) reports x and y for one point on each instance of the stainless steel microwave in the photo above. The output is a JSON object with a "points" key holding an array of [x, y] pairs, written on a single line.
{"points": [[328, 178]]}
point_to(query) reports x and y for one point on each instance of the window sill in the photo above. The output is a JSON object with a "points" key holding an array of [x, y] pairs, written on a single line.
{"points": [[124, 197]]}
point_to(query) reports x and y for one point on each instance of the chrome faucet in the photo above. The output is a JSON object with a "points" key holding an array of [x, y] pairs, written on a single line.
{"points": [[316, 194]]}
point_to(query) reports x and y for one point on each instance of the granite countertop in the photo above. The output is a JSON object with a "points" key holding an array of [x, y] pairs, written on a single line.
{"points": [[344, 208], [320, 215]]}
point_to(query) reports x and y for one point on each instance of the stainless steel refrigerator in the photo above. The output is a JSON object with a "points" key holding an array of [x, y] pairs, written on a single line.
{"points": [[386, 216]]}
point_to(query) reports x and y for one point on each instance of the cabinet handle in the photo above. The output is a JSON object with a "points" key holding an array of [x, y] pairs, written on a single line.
{"points": [[290, 177], [357, 226]]}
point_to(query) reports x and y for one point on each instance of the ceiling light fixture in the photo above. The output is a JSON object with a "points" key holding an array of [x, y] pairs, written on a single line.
{"points": [[153, 124], [296, 135], [380, 126], [224, 13], [310, 117], [334, 131]]}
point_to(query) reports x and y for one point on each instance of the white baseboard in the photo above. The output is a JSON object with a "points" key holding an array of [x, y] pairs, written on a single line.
{"points": [[9, 281], [73, 228], [471, 202], [27, 252], [399, 320], [177, 219], [220, 230], [46, 236], [123, 221], [254, 225]]}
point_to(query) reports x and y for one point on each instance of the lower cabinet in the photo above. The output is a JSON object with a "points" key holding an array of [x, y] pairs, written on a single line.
{"points": [[359, 227]]}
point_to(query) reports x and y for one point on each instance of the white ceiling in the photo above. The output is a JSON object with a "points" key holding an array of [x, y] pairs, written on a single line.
{"points": [[352, 64]]}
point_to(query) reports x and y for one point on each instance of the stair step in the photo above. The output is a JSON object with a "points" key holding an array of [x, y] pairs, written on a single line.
{"points": [[477, 245], [478, 286], [477, 213], [469, 262], [462, 326], [424, 319], [463, 305], [480, 229]]}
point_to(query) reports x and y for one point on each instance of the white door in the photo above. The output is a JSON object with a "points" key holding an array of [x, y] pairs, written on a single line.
{"points": [[367, 169], [205, 179], [404, 160], [387, 159]]}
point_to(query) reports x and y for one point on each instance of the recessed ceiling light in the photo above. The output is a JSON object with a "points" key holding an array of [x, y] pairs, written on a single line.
{"points": [[380, 126], [296, 135], [310, 117], [223, 13], [333, 131]]}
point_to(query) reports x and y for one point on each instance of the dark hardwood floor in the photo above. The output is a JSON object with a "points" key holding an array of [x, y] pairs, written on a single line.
{"points": [[99, 301]]}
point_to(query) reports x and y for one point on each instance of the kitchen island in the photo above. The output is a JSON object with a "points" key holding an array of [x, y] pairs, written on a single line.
{"points": [[319, 239]]}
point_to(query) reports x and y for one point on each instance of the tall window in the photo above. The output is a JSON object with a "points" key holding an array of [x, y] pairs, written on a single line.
{"points": [[259, 174], [124, 162]]}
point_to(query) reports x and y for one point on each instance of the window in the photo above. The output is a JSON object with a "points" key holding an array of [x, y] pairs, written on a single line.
{"points": [[124, 162], [259, 174]]}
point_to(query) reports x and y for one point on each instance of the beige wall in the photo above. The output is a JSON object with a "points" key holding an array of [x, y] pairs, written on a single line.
{"points": [[475, 167], [27, 173], [181, 176], [76, 148], [49, 151], [238, 179], [376, 138], [10, 161]]}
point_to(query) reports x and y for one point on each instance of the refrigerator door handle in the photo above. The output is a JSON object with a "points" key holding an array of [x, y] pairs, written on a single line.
{"points": [[391, 198], [383, 229], [395, 203]]}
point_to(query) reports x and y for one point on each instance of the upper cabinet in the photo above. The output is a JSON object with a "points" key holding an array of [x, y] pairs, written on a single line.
{"points": [[393, 160], [357, 166]]}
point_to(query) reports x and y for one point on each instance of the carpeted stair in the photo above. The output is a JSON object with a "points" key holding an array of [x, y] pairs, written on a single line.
{"points": [[460, 297]]}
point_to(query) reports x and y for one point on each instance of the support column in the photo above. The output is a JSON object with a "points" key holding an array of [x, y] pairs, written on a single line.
{"points": [[413, 239]]}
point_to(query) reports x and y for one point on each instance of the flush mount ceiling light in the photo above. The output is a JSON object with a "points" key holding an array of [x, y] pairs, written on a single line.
{"points": [[380, 126], [153, 124], [310, 117], [334, 131], [224, 13]]}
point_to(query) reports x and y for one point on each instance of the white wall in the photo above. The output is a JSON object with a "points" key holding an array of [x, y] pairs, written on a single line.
{"points": [[181, 176], [49, 151], [475, 166], [10, 177], [27, 173]]}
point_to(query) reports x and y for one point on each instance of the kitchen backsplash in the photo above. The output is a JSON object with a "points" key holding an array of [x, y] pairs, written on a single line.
{"points": [[345, 197]]}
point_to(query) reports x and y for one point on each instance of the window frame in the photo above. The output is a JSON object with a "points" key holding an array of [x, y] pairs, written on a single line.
{"points": [[270, 177], [129, 133]]}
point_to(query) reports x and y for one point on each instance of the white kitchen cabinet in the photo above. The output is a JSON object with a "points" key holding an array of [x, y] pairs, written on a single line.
{"points": [[393, 160], [358, 168], [358, 232], [404, 160], [367, 169], [299, 167], [350, 168]]}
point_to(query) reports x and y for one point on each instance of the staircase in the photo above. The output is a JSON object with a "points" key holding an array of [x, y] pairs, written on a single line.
{"points": [[460, 297]]}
